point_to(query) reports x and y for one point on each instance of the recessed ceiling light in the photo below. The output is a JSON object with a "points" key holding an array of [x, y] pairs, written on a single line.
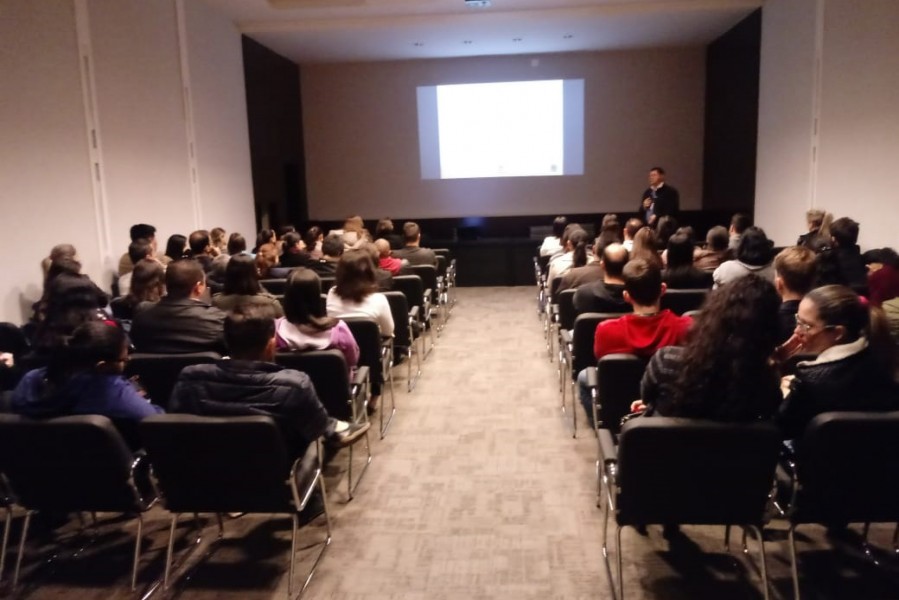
{"points": [[466, 41], [477, 3], [567, 36], [419, 44], [516, 39]]}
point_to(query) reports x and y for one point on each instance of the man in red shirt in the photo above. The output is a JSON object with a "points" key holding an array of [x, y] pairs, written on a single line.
{"points": [[644, 331]]}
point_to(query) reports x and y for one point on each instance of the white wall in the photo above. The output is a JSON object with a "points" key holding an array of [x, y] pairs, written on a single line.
{"points": [[45, 163], [643, 108], [846, 169]]}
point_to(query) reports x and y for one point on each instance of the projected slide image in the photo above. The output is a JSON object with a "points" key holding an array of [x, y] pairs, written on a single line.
{"points": [[505, 129]]}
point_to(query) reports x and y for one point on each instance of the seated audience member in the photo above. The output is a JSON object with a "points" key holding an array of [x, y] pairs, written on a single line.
{"points": [[795, 270], [385, 261], [646, 246], [715, 252], [850, 269], [354, 233], [552, 244], [237, 244], [141, 231], [891, 311], [58, 251], [383, 277], [305, 325], [84, 378], [609, 232], [69, 300], [137, 251], [681, 273], [854, 368], [250, 383], [565, 250], [607, 294], [242, 287], [147, 285], [631, 227], [267, 261], [384, 230], [200, 249], [182, 321], [313, 239], [723, 371], [818, 223], [665, 227], [175, 249], [581, 275], [217, 240], [332, 250], [739, 223], [883, 274], [641, 333], [412, 250], [294, 253], [575, 255], [753, 256]]}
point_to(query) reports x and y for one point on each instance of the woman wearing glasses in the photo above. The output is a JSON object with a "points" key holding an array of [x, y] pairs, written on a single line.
{"points": [[855, 366]]}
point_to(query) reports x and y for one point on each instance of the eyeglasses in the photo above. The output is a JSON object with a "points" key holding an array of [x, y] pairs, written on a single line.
{"points": [[806, 327]]}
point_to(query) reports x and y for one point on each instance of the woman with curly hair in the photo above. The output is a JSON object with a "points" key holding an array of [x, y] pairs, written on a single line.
{"points": [[724, 370]]}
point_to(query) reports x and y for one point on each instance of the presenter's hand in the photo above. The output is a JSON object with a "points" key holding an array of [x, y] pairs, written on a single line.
{"points": [[647, 202]]}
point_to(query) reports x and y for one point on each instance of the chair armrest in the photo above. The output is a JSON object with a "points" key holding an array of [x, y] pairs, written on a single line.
{"points": [[304, 475], [607, 447], [360, 377], [142, 479], [413, 312], [592, 377], [566, 336]]}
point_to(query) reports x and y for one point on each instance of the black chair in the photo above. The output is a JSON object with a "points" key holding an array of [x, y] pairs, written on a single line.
{"points": [[376, 353], [6, 503], [122, 308], [274, 286], [406, 329], [72, 464], [412, 287], [237, 464], [13, 341], [327, 283], [157, 373], [844, 472], [681, 301], [432, 282], [342, 398], [669, 471]]}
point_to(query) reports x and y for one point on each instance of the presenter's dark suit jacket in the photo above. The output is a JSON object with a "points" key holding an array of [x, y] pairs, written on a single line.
{"points": [[666, 203], [174, 326]]}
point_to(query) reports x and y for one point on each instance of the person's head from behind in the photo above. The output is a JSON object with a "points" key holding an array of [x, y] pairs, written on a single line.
{"points": [[184, 279], [265, 236], [313, 236], [266, 259], [199, 242], [754, 248], [241, 276], [373, 252], [383, 247], [384, 227], [643, 285], [411, 234], [142, 231], [795, 271], [176, 246], [579, 240], [302, 300], [217, 238], [250, 333], [631, 227], [877, 258], [609, 221], [818, 221], [333, 246], [656, 176], [284, 230], [63, 265], [717, 238], [237, 244], [665, 228], [559, 225], [147, 281], [614, 257], [566, 235], [354, 224], [139, 250], [292, 242], [739, 223], [680, 250], [844, 233], [97, 346], [355, 277]]}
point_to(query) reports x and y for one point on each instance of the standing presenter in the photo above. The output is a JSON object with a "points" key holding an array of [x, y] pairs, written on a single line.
{"points": [[659, 199]]}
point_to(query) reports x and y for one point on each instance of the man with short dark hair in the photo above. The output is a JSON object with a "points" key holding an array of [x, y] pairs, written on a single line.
{"points": [[607, 294], [795, 272], [641, 333], [412, 250], [182, 321], [141, 231], [659, 200], [200, 249], [137, 251], [332, 250], [715, 251], [739, 223], [847, 256], [250, 383]]}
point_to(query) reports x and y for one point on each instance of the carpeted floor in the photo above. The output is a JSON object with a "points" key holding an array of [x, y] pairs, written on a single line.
{"points": [[478, 491]]}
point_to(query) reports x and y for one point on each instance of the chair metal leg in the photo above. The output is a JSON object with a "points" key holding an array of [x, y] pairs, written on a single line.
{"points": [[6, 524], [619, 560], [896, 539], [764, 569], [169, 551], [293, 553], [794, 566], [389, 381], [137, 542], [727, 538], [15, 575], [350, 486], [574, 397], [293, 543]]}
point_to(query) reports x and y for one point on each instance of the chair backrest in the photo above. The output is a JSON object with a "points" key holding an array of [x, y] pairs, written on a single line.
{"points": [[274, 286], [67, 464], [13, 340], [567, 314], [121, 308], [554, 284], [582, 335], [445, 252], [368, 336], [157, 373], [618, 377], [848, 470], [681, 301], [697, 472], [327, 283], [218, 464], [543, 263], [428, 274], [329, 374], [442, 264], [399, 308], [412, 287]]}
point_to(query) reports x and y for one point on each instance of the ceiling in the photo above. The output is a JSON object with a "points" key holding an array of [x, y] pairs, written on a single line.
{"points": [[316, 31]]}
